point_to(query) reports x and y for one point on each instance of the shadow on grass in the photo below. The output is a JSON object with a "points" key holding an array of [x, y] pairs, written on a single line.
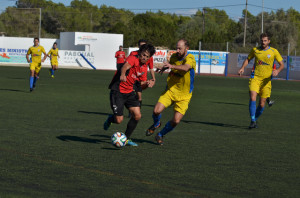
{"points": [[67, 138], [148, 105], [133, 139], [17, 78], [14, 90], [230, 103], [91, 112], [215, 124]]}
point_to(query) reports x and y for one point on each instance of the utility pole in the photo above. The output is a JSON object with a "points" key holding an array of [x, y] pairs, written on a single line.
{"points": [[40, 24], [245, 24], [262, 17], [203, 22]]}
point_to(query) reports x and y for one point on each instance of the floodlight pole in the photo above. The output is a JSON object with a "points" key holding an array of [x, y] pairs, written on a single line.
{"points": [[40, 24], [245, 24], [262, 17]]}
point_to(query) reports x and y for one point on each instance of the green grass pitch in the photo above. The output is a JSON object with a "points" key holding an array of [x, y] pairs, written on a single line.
{"points": [[52, 142]]}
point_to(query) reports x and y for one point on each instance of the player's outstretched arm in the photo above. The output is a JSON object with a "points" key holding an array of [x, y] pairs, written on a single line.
{"points": [[242, 69], [277, 71], [27, 57], [185, 67], [125, 67], [45, 56], [152, 81]]}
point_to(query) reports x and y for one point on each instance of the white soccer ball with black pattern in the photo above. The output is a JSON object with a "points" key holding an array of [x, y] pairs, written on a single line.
{"points": [[118, 139]]}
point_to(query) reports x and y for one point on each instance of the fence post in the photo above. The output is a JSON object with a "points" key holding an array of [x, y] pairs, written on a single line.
{"points": [[227, 47], [287, 67], [226, 65], [199, 59]]}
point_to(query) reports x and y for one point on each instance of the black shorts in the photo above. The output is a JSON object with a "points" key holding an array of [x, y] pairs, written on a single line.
{"points": [[119, 66], [119, 100]]}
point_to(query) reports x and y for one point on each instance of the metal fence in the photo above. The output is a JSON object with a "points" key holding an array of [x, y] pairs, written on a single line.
{"points": [[283, 48]]}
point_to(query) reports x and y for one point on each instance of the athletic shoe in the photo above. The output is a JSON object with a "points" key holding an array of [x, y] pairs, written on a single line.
{"points": [[107, 123], [159, 140], [151, 129], [131, 143], [253, 125], [52, 76], [31, 89], [271, 102]]}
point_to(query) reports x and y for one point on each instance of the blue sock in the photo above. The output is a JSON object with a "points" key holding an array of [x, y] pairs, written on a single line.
{"points": [[156, 119], [52, 71], [34, 80], [259, 111], [168, 127], [252, 109], [31, 79]]}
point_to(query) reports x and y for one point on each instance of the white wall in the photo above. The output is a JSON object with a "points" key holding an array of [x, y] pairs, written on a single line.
{"points": [[103, 45], [67, 42], [16, 48], [98, 48]]}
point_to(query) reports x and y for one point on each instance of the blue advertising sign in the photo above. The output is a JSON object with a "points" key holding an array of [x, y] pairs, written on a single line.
{"points": [[213, 58], [8, 55]]}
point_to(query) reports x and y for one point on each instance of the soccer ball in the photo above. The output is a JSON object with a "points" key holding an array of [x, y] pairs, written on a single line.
{"points": [[118, 139]]}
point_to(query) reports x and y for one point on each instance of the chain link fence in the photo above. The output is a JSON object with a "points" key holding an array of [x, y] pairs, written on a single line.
{"points": [[283, 48]]}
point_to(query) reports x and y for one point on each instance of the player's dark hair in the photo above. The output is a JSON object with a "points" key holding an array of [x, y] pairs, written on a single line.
{"points": [[54, 43], [186, 43], [36, 38], [263, 35], [142, 41], [147, 47]]}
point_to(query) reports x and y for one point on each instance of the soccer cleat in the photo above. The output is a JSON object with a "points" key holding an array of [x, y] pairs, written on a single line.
{"points": [[151, 129], [52, 76], [271, 102], [31, 89], [107, 123], [131, 143], [159, 140], [253, 125]]}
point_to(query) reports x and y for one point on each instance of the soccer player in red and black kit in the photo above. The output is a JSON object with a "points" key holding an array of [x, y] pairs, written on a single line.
{"points": [[122, 93], [120, 56], [143, 83]]}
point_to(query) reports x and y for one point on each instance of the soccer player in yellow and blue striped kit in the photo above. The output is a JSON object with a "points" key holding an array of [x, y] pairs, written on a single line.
{"points": [[36, 52], [180, 84], [260, 81]]}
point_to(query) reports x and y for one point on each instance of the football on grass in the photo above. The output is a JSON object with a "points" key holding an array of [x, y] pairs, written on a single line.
{"points": [[118, 139]]}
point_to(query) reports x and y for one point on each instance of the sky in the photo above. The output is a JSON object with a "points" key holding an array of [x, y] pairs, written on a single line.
{"points": [[233, 8]]}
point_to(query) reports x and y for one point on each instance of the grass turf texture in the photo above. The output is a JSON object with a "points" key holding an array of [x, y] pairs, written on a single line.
{"points": [[53, 145]]}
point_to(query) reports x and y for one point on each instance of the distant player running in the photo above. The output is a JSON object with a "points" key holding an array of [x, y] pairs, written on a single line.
{"points": [[35, 64], [260, 81], [122, 93], [53, 54], [180, 84]]}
